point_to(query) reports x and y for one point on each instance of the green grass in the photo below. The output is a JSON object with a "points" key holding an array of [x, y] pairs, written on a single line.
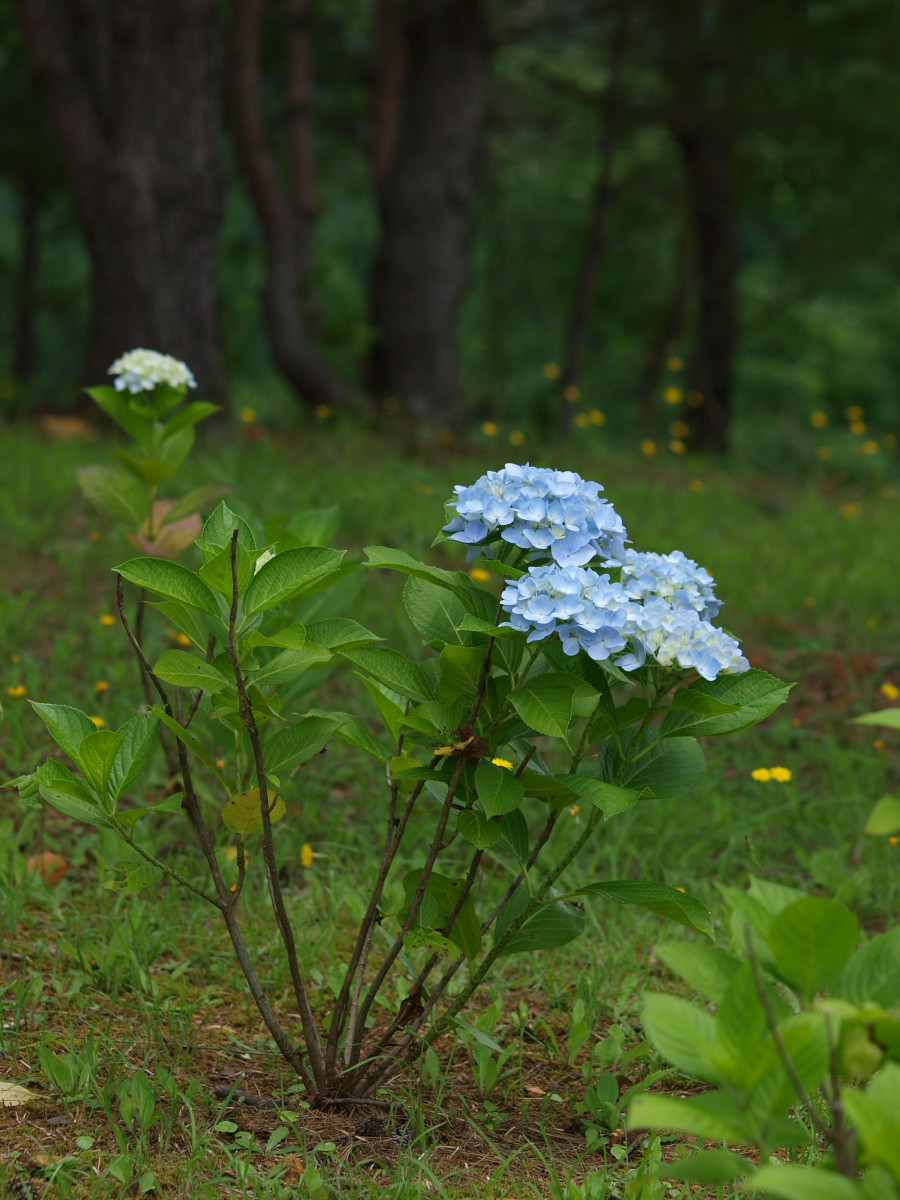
{"points": [[148, 982]]}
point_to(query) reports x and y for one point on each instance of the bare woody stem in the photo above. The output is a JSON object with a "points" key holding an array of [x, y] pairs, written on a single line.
{"points": [[307, 1020]]}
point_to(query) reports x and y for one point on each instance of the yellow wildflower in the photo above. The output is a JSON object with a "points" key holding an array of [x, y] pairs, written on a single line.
{"points": [[490, 428], [582, 420], [890, 690], [575, 809], [858, 428], [854, 413], [761, 774], [681, 889], [673, 395], [182, 639], [17, 691], [98, 721], [818, 419], [247, 415], [517, 437], [597, 417], [675, 363], [696, 485], [851, 510], [869, 447], [889, 441], [95, 536], [648, 447], [552, 370], [894, 841], [502, 762], [480, 574], [572, 393], [679, 429], [323, 411], [107, 619], [781, 774], [677, 446], [101, 686], [306, 855]]}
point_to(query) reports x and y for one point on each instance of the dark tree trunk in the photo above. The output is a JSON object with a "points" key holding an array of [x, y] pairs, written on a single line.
{"points": [[597, 234], [670, 327], [425, 199], [286, 220], [23, 317], [135, 91]]}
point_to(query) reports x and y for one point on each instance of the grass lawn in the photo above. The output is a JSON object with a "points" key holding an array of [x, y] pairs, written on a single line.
{"points": [[100, 994]]}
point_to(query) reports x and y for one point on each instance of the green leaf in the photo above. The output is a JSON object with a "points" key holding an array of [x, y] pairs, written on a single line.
{"points": [[657, 898], [171, 580], [61, 789], [291, 638], [189, 416], [96, 757], [752, 697], [136, 424], [301, 742], [340, 633], [684, 1035], [188, 620], [189, 739], [218, 531], [666, 769], [397, 560], [115, 492], [478, 829], [216, 571], [67, 726], [472, 624], [884, 818], [515, 837], [395, 670], [873, 974], [196, 500], [189, 671], [148, 471], [291, 663], [461, 668], [242, 811], [133, 878], [609, 798], [353, 731], [548, 703], [436, 613], [390, 704], [708, 1166], [288, 575], [707, 969], [712, 1115], [811, 941], [888, 717], [498, 789], [794, 1181], [552, 925], [445, 892]]}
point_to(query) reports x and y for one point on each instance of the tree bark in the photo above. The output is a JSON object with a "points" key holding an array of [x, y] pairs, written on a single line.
{"points": [[135, 92], [425, 199], [286, 225], [30, 196]]}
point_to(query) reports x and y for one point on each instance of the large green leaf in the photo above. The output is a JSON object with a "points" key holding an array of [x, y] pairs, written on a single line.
{"points": [[288, 575], [97, 755], [395, 670], [549, 703], [436, 612], [811, 942], [609, 798], [397, 560], [301, 742], [884, 818], [217, 571], [657, 898], [708, 1166], [684, 1035], [189, 671], [339, 633], [461, 671], [663, 768], [751, 697], [173, 581], [888, 717], [116, 493], [873, 974], [552, 925], [498, 789], [713, 1115], [793, 1181], [67, 726], [289, 664], [132, 877], [706, 968], [444, 894], [138, 741], [218, 531], [61, 789], [477, 828]]}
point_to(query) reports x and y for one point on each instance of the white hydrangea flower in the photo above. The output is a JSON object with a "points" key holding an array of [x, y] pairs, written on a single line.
{"points": [[142, 370]]}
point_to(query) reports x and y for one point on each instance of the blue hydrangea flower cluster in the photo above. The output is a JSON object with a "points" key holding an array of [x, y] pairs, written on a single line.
{"points": [[142, 370], [604, 618], [551, 514], [675, 577]]}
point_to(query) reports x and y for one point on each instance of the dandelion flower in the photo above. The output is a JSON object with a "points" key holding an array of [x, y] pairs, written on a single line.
{"points": [[673, 395], [572, 393], [502, 762], [490, 428], [818, 419], [648, 447], [782, 774], [247, 415], [696, 485], [98, 721], [17, 691], [480, 574], [306, 855], [890, 690], [761, 774], [517, 437], [107, 619], [101, 686]]}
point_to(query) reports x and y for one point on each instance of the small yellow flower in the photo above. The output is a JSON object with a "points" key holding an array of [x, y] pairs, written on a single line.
{"points": [[675, 363], [182, 639], [98, 721], [761, 774], [575, 809], [677, 446], [695, 399], [696, 485], [307, 855], [502, 762], [220, 763], [894, 841], [572, 393], [818, 419], [854, 413], [322, 411], [682, 890], [851, 510], [582, 420], [101, 686], [869, 447], [673, 395], [107, 619], [890, 690], [596, 416], [490, 428], [648, 447], [480, 574], [247, 415], [679, 429], [17, 691], [782, 774], [517, 438], [552, 370], [858, 428], [96, 536], [823, 452]]}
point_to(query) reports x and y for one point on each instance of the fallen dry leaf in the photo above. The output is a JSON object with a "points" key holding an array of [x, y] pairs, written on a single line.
{"points": [[11, 1093]]}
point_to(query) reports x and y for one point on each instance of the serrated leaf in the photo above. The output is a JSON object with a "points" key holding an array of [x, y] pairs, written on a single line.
{"points": [[289, 664], [395, 670], [398, 560], [115, 492], [713, 1115], [755, 695], [64, 792], [477, 828], [873, 974], [474, 624], [172, 581], [436, 612], [709, 1167], [189, 671], [609, 798], [444, 893], [461, 668], [498, 789], [218, 532], [301, 742], [340, 633], [793, 1181], [552, 925], [811, 941], [547, 703], [288, 575], [515, 838], [293, 637], [242, 813], [132, 879], [657, 898], [665, 769], [97, 755], [707, 969], [217, 572], [684, 1035], [67, 726]]}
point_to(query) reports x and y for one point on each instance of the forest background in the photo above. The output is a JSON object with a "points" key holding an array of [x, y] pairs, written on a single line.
{"points": [[668, 222]]}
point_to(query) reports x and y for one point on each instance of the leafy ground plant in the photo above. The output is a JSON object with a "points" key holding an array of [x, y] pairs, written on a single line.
{"points": [[802, 1052], [575, 688]]}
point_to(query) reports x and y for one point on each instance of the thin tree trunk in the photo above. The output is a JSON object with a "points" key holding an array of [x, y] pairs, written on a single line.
{"points": [[135, 91], [669, 329], [601, 205], [420, 273], [299, 120], [286, 228], [26, 283]]}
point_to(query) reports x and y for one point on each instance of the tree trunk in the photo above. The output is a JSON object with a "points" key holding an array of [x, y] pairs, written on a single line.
{"points": [[135, 91], [425, 199], [286, 225], [23, 317], [670, 327], [597, 234]]}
